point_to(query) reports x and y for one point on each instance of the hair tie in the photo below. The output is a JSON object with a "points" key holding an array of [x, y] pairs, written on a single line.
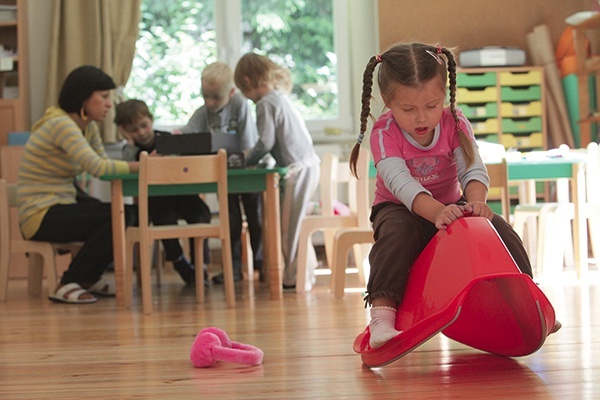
{"points": [[439, 50], [212, 345], [378, 58], [360, 138], [437, 57]]}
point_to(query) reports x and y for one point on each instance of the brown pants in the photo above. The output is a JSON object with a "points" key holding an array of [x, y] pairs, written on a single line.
{"points": [[400, 236]]}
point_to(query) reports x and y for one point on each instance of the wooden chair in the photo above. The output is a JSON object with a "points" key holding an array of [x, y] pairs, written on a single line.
{"points": [[172, 170], [554, 231], [332, 174], [41, 254], [344, 241], [552, 248]]}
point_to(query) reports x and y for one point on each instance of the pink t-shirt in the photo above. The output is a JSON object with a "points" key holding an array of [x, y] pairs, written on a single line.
{"points": [[433, 167]]}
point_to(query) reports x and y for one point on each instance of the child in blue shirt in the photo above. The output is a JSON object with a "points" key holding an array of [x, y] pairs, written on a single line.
{"points": [[135, 122]]}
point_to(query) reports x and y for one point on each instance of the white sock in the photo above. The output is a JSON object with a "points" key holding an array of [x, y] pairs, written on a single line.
{"points": [[382, 327]]}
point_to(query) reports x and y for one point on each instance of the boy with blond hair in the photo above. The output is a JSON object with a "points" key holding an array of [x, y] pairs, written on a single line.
{"points": [[226, 112]]}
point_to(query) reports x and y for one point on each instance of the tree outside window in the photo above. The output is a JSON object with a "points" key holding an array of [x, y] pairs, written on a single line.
{"points": [[178, 39]]}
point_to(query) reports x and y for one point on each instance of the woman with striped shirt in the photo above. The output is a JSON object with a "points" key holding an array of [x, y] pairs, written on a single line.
{"points": [[65, 142]]}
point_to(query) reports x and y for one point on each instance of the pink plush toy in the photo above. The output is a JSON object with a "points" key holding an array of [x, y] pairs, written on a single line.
{"points": [[212, 345]]}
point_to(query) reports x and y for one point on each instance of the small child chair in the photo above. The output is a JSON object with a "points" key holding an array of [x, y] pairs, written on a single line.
{"points": [[466, 285]]}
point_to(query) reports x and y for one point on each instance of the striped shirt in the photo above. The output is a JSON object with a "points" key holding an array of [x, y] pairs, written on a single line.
{"points": [[56, 152]]}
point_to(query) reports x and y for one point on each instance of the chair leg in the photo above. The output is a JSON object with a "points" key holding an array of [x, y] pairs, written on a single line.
{"points": [[594, 227], [525, 226], [360, 251], [342, 244], [328, 236], [146, 276], [4, 269], [128, 278], [35, 272], [247, 254], [555, 247], [305, 240], [228, 271], [157, 260], [199, 251]]}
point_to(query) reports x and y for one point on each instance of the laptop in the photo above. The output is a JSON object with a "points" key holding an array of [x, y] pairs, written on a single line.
{"points": [[199, 144], [188, 144]]}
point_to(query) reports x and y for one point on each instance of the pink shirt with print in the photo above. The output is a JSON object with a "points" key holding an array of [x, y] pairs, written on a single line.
{"points": [[433, 167]]}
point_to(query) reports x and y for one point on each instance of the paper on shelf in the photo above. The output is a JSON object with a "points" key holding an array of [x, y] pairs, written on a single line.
{"points": [[6, 64]]}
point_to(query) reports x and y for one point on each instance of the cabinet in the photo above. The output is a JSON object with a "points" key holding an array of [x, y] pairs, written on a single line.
{"points": [[505, 105], [587, 66], [14, 115]]}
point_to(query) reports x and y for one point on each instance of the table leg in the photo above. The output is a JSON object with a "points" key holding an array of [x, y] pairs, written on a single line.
{"points": [[580, 248], [118, 229], [272, 237]]}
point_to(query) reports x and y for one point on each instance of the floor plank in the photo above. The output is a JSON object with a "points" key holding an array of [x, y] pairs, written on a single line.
{"points": [[58, 351]]}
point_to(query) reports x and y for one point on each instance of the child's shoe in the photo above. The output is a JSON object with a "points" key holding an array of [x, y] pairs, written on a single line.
{"points": [[185, 270], [220, 279]]}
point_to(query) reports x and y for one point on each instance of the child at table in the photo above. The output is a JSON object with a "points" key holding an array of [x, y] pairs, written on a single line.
{"points": [[135, 122], [226, 112], [283, 134], [429, 172]]}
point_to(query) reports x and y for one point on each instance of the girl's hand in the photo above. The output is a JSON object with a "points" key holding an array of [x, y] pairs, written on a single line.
{"points": [[479, 209], [449, 214]]}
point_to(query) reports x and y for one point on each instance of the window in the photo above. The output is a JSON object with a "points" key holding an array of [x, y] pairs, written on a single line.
{"points": [[178, 38]]}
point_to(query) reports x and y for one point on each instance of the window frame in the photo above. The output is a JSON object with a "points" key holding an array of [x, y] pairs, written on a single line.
{"points": [[228, 17]]}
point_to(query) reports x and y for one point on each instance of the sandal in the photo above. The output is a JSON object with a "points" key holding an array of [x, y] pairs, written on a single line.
{"points": [[71, 293], [103, 287]]}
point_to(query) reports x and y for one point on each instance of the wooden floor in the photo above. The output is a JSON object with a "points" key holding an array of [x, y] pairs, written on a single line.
{"points": [[58, 351]]}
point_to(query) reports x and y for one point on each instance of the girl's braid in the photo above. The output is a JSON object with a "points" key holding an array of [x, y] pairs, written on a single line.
{"points": [[466, 144], [365, 113]]}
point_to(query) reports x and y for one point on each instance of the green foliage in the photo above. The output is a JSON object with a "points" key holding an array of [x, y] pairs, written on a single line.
{"points": [[177, 40], [299, 35]]}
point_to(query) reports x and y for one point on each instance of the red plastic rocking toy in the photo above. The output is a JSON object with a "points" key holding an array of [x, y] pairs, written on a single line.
{"points": [[466, 285]]}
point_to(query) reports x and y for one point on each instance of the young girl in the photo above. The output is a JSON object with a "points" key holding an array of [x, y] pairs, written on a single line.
{"points": [[429, 172], [282, 133]]}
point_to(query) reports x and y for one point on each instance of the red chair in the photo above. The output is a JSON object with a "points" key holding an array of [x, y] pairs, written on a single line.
{"points": [[466, 285]]}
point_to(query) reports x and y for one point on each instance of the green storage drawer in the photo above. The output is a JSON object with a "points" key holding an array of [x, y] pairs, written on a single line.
{"points": [[476, 79], [487, 138], [522, 125], [525, 93], [483, 110]]}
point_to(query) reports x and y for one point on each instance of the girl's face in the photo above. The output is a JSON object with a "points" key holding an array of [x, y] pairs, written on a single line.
{"points": [[97, 105], [418, 110], [252, 94], [141, 131]]}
